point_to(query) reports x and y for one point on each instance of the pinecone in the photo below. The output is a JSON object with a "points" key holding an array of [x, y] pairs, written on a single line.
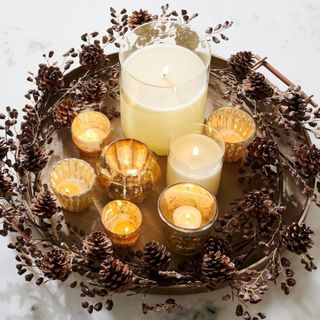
{"points": [[111, 112], [3, 148], [216, 267], [296, 238], [256, 86], [92, 90], [156, 256], [49, 78], [115, 275], [65, 111], [92, 56], [6, 181], [55, 264], [97, 246], [44, 205], [214, 244], [32, 158], [186, 37], [307, 160], [293, 104], [262, 152], [138, 18], [241, 63]]}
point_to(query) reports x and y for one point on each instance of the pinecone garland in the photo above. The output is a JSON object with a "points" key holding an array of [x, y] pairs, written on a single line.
{"points": [[3, 148], [256, 86], [156, 256], [49, 78], [44, 205], [92, 56], [92, 90], [296, 238], [32, 158], [6, 181], [138, 18], [186, 37], [214, 244], [55, 264], [97, 246], [115, 276], [216, 268], [65, 111], [241, 63]]}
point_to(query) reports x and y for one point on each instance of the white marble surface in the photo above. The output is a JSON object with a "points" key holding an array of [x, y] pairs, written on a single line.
{"points": [[286, 31]]}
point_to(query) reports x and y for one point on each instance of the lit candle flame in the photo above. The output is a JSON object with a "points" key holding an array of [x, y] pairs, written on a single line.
{"points": [[89, 135], [67, 191], [195, 152], [165, 71]]}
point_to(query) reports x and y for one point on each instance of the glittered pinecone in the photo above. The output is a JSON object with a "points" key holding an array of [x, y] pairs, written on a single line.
{"points": [[6, 181], [256, 86], [262, 152], [156, 256], [293, 104], [92, 56], [49, 78], [111, 112], [241, 63], [296, 238], [307, 160], [115, 276], [65, 111], [97, 246], [138, 18], [186, 37], [216, 267], [3, 148], [44, 204], [214, 244], [55, 264], [33, 158], [93, 90]]}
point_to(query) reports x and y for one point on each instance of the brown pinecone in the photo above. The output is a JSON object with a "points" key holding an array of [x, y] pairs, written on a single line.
{"points": [[32, 158], [296, 238], [92, 90], [92, 56], [186, 37], [3, 148], [111, 112], [156, 256], [307, 160], [6, 181], [216, 267], [115, 275], [256, 86], [241, 63], [55, 264], [138, 18], [97, 246], [214, 244], [65, 111], [44, 204], [49, 78], [262, 152]]}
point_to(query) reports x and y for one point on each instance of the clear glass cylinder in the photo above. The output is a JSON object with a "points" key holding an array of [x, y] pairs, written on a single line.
{"points": [[164, 81]]}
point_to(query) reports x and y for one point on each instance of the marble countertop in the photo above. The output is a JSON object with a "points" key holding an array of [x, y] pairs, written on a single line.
{"points": [[286, 31]]}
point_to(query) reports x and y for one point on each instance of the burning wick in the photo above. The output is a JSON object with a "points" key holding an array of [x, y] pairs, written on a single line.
{"points": [[165, 71], [195, 152]]}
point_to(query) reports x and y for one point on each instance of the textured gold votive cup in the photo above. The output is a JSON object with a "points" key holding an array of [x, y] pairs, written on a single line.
{"points": [[237, 129], [128, 170], [79, 176], [90, 132], [181, 240], [122, 221]]}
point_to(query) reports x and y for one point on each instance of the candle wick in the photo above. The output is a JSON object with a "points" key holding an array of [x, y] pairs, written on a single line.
{"points": [[165, 71], [195, 152]]}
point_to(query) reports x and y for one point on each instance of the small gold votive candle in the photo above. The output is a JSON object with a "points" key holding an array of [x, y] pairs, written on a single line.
{"points": [[128, 170], [122, 221], [72, 181], [187, 211], [237, 129], [90, 131]]}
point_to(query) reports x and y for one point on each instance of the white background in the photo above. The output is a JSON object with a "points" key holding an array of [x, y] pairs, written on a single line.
{"points": [[287, 32]]}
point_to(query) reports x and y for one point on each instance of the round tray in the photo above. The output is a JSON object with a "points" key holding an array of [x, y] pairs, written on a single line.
{"points": [[89, 220]]}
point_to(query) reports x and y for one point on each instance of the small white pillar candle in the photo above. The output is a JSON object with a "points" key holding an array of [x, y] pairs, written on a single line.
{"points": [[187, 217]]}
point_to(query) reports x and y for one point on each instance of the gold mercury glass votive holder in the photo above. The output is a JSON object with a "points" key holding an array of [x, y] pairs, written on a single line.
{"points": [[122, 221], [90, 132], [128, 170], [187, 241], [237, 129], [72, 181]]}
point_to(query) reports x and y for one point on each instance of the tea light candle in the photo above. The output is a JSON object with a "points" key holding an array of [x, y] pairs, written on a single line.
{"points": [[187, 217], [122, 220], [196, 157], [90, 131]]}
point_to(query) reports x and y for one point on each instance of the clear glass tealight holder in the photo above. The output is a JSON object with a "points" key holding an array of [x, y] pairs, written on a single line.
{"points": [[72, 180], [187, 211], [237, 129]]}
